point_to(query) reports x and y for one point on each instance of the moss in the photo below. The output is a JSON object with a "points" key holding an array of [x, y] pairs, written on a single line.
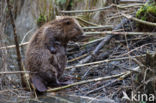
{"points": [[41, 20], [141, 11], [152, 9], [147, 13], [47, 11], [147, 8]]}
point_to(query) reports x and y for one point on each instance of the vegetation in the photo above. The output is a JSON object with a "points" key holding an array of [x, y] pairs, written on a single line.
{"points": [[41, 20], [47, 11], [147, 13]]}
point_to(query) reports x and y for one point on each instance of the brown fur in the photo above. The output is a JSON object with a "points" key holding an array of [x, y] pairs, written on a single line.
{"points": [[47, 68]]}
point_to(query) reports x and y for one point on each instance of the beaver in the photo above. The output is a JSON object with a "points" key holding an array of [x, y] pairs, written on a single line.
{"points": [[46, 51]]}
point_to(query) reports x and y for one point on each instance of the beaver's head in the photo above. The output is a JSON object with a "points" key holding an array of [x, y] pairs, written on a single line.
{"points": [[72, 30]]}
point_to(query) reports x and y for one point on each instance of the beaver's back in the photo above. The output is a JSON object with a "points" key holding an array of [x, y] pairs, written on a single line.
{"points": [[36, 58]]}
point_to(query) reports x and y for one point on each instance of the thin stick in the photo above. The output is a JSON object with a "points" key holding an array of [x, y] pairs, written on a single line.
{"points": [[27, 34], [77, 58], [93, 41], [14, 72], [87, 81], [120, 33], [80, 19], [13, 46], [99, 27]]}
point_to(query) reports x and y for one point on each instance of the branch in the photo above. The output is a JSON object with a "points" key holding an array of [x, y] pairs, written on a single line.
{"points": [[87, 81], [125, 1], [84, 11], [16, 42], [101, 9], [15, 36], [138, 20], [102, 61], [120, 33]]}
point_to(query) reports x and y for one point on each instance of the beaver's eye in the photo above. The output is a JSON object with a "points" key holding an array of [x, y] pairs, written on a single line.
{"points": [[68, 23]]}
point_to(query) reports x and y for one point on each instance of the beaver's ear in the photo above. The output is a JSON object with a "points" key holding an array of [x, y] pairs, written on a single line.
{"points": [[38, 83]]}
